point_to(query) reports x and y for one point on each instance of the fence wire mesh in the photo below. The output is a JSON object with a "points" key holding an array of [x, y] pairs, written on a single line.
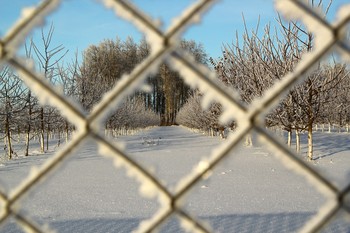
{"points": [[329, 37]]}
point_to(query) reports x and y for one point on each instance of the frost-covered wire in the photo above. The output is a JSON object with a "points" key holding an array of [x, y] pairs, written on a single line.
{"points": [[165, 44]]}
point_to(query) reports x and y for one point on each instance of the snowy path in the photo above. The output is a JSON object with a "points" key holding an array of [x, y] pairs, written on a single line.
{"points": [[250, 192]]}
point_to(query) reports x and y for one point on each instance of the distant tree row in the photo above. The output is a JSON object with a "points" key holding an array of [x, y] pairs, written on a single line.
{"points": [[105, 63], [101, 67], [255, 63], [21, 115]]}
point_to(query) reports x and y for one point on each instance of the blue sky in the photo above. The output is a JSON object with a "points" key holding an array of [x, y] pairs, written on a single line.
{"points": [[79, 23]]}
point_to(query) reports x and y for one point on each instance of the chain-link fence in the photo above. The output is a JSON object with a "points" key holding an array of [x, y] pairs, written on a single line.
{"points": [[164, 45]]}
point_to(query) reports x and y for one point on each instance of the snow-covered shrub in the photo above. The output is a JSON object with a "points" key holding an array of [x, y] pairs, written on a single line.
{"points": [[193, 116], [132, 114]]}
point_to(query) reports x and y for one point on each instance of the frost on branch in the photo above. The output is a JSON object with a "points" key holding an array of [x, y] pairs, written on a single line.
{"points": [[193, 116], [48, 94], [289, 9]]}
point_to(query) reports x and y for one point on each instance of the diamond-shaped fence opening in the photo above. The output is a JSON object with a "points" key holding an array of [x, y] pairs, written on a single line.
{"points": [[165, 47], [314, 121], [154, 148], [28, 128], [88, 185], [84, 75], [243, 198]]}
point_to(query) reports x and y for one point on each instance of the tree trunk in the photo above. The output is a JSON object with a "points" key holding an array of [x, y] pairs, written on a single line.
{"points": [[297, 141], [289, 142], [310, 149], [26, 153], [310, 145], [8, 138], [48, 131], [222, 132], [248, 140], [18, 133], [42, 142], [47, 136], [67, 131], [29, 121]]}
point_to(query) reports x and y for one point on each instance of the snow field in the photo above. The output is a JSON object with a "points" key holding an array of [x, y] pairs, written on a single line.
{"points": [[249, 192]]}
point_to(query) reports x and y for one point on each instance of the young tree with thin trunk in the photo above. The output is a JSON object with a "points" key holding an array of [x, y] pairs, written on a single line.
{"points": [[68, 76], [13, 102], [254, 65], [31, 103], [47, 57]]}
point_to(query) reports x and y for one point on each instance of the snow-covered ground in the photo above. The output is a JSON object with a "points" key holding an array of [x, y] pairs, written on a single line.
{"points": [[249, 192]]}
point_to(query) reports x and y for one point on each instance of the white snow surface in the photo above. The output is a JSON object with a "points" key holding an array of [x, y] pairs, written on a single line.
{"points": [[249, 192]]}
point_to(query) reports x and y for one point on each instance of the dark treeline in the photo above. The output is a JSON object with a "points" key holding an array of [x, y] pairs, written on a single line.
{"points": [[104, 64]]}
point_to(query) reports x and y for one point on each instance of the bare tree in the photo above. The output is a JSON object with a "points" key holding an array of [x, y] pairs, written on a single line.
{"points": [[68, 76], [101, 68], [13, 101], [31, 103], [47, 57], [252, 65]]}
